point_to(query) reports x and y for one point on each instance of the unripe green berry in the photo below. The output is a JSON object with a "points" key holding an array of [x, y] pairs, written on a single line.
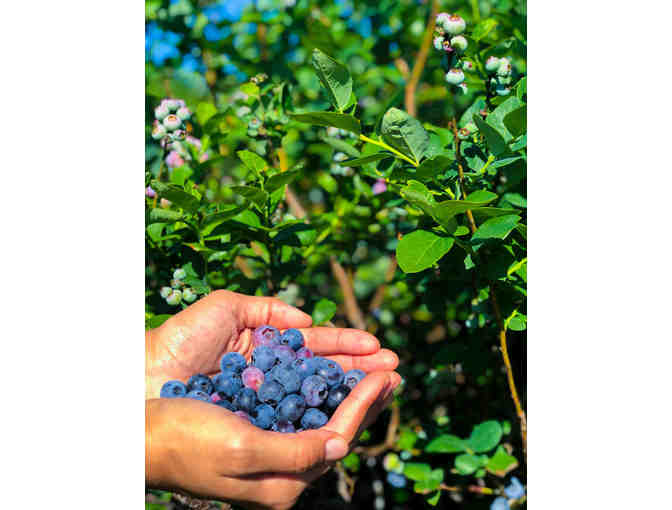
{"points": [[183, 113], [441, 19], [158, 131], [502, 90], [189, 295], [438, 43], [165, 292], [178, 135], [176, 284], [172, 122], [161, 111], [174, 298], [504, 80], [459, 42], [179, 274], [471, 127], [455, 76], [454, 25], [172, 104], [463, 88], [467, 65], [492, 64], [504, 68]]}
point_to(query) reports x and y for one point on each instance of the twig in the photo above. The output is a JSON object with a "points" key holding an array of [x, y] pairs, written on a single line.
{"points": [[390, 438], [460, 171], [509, 370], [379, 296], [454, 488], [352, 310], [420, 60], [346, 484]]}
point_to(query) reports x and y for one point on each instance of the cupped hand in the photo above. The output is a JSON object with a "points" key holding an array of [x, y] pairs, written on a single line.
{"points": [[209, 452], [194, 340]]}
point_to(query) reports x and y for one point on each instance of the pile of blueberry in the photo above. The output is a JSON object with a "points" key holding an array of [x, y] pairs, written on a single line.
{"points": [[177, 292], [285, 387]]}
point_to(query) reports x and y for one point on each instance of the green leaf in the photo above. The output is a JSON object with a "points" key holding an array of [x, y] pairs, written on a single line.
{"points": [[483, 29], [444, 211], [407, 438], [324, 310], [404, 133], [416, 471], [159, 215], [279, 180], [341, 145], [211, 221], [254, 195], [366, 159], [496, 118], [434, 500], [335, 78], [501, 462], [421, 249], [157, 320], [176, 195], [251, 89], [431, 167], [485, 436], [204, 111], [495, 141], [496, 228], [516, 121], [467, 463], [445, 443], [419, 196], [329, 119], [517, 323], [430, 483], [252, 161], [351, 462]]}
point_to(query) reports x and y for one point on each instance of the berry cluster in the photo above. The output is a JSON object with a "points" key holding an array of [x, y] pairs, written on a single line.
{"points": [[449, 40], [177, 292], [500, 71], [169, 123], [285, 387], [515, 490]]}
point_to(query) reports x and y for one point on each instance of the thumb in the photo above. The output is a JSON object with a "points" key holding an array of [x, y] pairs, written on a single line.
{"points": [[297, 453]]}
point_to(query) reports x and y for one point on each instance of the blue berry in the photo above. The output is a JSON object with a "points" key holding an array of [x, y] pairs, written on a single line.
{"points": [[291, 408], [337, 395], [233, 362], [315, 390], [264, 416], [500, 503], [287, 377], [515, 490], [225, 404], [271, 392], [245, 400], [396, 480], [304, 367], [283, 426], [263, 357], [284, 353], [228, 383], [313, 419], [293, 338], [352, 377], [330, 370], [265, 335], [173, 389], [198, 395], [200, 382], [304, 352]]}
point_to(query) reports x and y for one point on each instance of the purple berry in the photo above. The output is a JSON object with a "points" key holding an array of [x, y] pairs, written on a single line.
{"points": [[233, 362], [304, 352], [315, 390], [245, 400], [283, 426], [313, 419], [264, 416], [173, 389], [263, 357], [252, 377], [271, 392], [293, 338], [330, 370], [265, 335], [396, 480], [228, 383], [304, 367], [200, 382], [291, 408], [149, 192], [284, 353], [198, 395], [352, 377], [337, 395]]}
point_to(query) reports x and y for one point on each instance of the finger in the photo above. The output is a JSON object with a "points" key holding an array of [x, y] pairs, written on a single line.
{"points": [[326, 341], [351, 412], [294, 453], [375, 410], [383, 360], [256, 311]]}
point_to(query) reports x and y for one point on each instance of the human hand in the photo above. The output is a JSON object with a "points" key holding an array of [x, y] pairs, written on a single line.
{"points": [[194, 340], [209, 452]]}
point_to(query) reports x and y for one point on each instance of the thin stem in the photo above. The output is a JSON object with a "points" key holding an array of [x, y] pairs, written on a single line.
{"points": [[158, 177], [420, 60], [460, 171], [382, 144]]}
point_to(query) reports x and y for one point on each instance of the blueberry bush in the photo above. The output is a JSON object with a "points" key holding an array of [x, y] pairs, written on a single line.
{"points": [[366, 162]]}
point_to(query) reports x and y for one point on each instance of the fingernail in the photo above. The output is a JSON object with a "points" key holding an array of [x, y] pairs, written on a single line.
{"points": [[335, 449]]}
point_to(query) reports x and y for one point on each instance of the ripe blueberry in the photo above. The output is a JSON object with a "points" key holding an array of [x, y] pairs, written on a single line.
{"points": [[313, 419], [304, 352], [265, 335], [315, 390], [263, 357], [271, 392], [228, 383], [200, 382], [233, 362], [173, 389], [352, 377], [293, 338], [245, 400], [500, 503], [198, 395], [330, 371], [284, 353], [337, 395], [396, 480], [264, 416], [291, 408]]}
